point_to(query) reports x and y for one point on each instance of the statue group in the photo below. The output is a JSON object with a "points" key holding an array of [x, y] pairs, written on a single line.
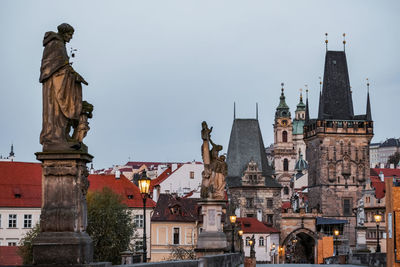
{"points": [[215, 168], [63, 108]]}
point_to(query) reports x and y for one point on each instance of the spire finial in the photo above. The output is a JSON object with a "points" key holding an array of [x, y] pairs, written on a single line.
{"points": [[282, 84], [256, 110], [301, 95], [326, 41], [344, 42], [320, 84], [234, 110], [367, 85]]}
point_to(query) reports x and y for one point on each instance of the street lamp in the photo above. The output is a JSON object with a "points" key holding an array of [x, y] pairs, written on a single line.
{"points": [[144, 186], [232, 218], [273, 246], [336, 233], [378, 219], [240, 232]]}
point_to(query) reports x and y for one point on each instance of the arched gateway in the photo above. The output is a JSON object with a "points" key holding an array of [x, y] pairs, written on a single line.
{"points": [[300, 246]]}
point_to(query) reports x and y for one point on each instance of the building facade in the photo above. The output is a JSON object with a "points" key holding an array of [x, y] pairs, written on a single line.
{"points": [[337, 146], [249, 181]]}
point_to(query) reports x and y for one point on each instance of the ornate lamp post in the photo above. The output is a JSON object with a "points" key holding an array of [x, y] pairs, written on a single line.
{"points": [[336, 233], [144, 186], [240, 232], [232, 218], [273, 247], [378, 219]]}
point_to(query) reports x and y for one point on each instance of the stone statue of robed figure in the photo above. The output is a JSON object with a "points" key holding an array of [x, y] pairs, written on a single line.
{"points": [[63, 108]]}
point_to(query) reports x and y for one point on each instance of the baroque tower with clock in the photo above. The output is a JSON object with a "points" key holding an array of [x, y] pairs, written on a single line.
{"points": [[284, 151]]}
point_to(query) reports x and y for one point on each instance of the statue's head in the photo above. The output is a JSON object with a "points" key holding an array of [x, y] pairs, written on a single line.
{"points": [[204, 125], [222, 158], [66, 31]]}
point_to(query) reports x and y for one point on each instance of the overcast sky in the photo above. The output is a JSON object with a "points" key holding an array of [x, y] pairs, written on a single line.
{"points": [[157, 69]]}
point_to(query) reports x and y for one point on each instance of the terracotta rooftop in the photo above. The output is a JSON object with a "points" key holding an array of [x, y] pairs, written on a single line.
{"points": [[254, 226], [20, 184], [175, 209], [378, 184], [130, 193]]}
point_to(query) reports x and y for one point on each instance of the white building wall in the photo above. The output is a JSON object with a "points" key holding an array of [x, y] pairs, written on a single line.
{"points": [[16, 234], [139, 230], [181, 182], [263, 253]]}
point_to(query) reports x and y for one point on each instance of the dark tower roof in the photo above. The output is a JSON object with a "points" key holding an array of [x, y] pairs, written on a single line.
{"points": [[307, 110], [368, 116], [282, 110], [246, 144], [336, 101]]}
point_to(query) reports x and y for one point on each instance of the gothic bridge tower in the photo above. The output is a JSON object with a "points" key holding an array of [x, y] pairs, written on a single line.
{"points": [[337, 146]]}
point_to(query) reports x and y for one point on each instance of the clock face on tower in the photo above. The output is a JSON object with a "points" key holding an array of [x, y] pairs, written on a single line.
{"points": [[284, 123]]}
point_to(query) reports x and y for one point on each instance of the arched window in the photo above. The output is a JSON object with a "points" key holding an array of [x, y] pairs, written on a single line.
{"points": [[261, 241], [285, 165], [284, 136], [286, 190]]}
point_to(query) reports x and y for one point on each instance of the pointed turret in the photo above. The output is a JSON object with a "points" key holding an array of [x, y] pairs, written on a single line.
{"points": [[368, 115], [283, 109], [12, 151], [307, 108], [336, 101]]}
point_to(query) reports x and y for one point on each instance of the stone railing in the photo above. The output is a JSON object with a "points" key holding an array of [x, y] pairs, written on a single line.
{"points": [[224, 260], [362, 259]]}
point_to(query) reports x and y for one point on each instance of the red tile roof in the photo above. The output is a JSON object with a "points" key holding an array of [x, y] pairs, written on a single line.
{"points": [[121, 186], [378, 184], [20, 184], [253, 226], [186, 209], [286, 205], [9, 256], [25, 179]]}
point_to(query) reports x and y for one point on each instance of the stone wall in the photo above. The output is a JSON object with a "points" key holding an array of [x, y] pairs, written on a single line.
{"points": [[364, 259], [224, 260]]}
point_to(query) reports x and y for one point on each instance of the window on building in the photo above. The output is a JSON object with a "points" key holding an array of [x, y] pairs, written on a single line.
{"points": [[191, 175], [270, 203], [176, 236], [285, 165], [367, 200], [138, 245], [28, 221], [249, 202], [139, 221], [286, 190], [284, 136], [261, 241], [12, 244], [247, 241], [347, 206], [249, 215], [270, 218], [12, 221]]}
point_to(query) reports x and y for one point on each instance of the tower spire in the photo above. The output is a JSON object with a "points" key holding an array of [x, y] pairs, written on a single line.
{"points": [[368, 115], [307, 109], [12, 151], [326, 41], [234, 110], [344, 42], [256, 111]]}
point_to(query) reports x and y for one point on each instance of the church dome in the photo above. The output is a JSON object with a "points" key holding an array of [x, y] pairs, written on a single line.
{"points": [[301, 164]]}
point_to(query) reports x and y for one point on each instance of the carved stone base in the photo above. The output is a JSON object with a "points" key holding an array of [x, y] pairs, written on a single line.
{"points": [[361, 237], [63, 238], [212, 240], [62, 248]]}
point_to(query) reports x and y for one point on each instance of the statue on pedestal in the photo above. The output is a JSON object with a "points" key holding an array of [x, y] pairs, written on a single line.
{"points": [[215, 168], [360, 213], [63, 107]]}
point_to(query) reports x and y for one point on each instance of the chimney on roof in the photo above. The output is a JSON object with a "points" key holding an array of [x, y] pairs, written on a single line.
{"points": [[391, 165], [117, 174], [259, 215], [156, 193], [174, 166], [382, 176], [382, 166]]}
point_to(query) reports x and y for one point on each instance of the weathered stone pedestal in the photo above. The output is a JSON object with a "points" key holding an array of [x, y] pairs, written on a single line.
{"points": [[63, 239], [212, 240], [361, 237]]}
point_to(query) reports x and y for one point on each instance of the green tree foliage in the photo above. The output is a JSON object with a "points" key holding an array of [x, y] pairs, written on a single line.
{"points": [[25, 248], [394, 159], [109, 225]]}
